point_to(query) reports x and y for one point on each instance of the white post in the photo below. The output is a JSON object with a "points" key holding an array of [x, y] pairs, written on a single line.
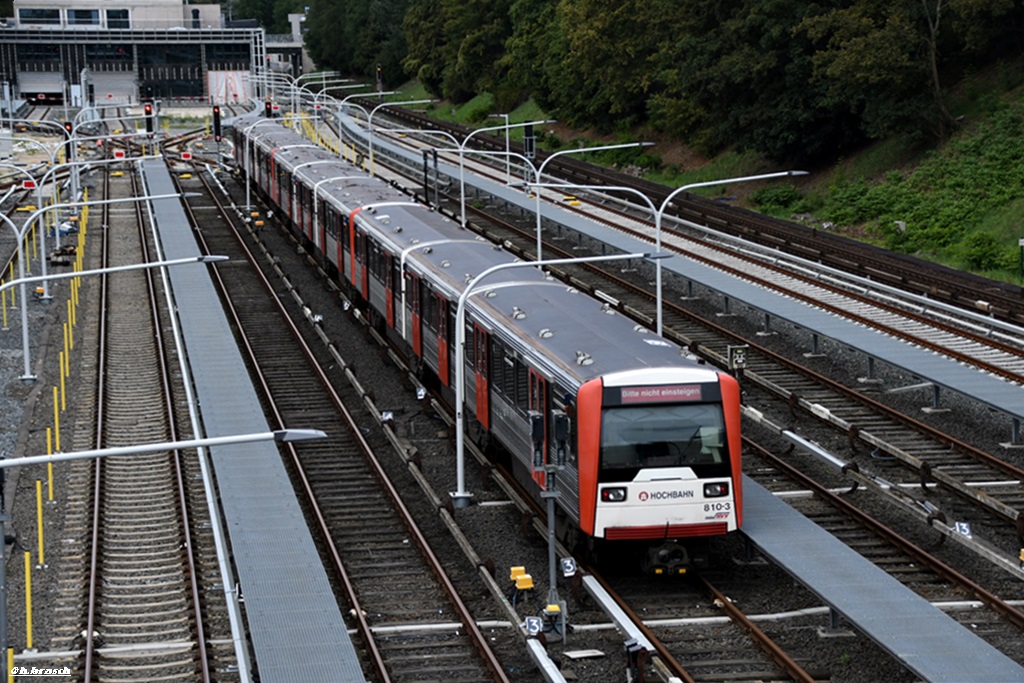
{"points": [[540, 172], [369, 119]]}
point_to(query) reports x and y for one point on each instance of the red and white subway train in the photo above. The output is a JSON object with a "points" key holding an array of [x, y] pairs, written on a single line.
{"points": [[651, 438]]}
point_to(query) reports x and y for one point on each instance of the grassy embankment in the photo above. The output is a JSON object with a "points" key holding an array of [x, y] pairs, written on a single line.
{"points": [[961, 203]]}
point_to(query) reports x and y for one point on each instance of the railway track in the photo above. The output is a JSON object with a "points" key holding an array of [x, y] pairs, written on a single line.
{"points": [[409, 617], [1001, 300], [133, 598], [990, 481], [987, 480], [713, 662]]}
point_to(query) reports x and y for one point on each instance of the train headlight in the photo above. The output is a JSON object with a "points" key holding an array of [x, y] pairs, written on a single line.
{"points": [[716, 490], [616, 494]]}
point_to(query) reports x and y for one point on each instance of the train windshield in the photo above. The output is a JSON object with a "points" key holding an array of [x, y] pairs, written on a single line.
{"points": [[665, 435]]}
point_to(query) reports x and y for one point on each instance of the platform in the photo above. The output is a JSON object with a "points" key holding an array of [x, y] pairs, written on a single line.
{"points": [[292, 618], [926, 640]]}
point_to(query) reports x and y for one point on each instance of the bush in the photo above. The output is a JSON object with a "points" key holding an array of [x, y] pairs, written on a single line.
{"points": [[776, 199], [981, 251]]}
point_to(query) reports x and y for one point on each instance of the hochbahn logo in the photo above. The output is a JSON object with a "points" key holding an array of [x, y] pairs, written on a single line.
{"points": [[664, 495], [40, 671]]}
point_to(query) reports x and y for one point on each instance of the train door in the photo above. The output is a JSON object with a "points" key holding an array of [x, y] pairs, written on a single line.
{"points": [[363, 257], [414, 304], [538, 388], [442, 340], [295, 211], [321, 229], [353, 269], [481, 363], [272, 180], [389, 289], [307, 214]]}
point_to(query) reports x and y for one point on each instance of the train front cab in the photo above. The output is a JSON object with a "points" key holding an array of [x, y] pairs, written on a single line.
{"points": [[659, 462]]}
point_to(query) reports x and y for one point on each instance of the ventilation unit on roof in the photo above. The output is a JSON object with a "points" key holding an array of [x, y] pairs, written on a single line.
{"points": [[446, 263], [490, 294], [428, 250], [518, 313], [546, 334], [639, 329], [583, 358], [606, 308]]}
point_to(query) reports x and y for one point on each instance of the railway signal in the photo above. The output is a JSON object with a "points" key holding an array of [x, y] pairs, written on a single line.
{"points": [[67, 145], [148, 111], [268, 110], [216, 123]]}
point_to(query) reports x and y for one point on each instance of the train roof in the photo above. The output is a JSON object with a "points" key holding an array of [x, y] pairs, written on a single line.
{"points": [[583, 337]]}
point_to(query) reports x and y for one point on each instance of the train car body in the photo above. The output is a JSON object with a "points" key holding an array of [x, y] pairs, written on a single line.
{"points": [[650, 439]]}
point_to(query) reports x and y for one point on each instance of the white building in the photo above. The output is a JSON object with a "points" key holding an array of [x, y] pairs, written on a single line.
{"points": [[120, 51]]}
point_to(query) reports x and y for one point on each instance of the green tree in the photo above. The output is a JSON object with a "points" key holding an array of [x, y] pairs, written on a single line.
{"points": [[733, 74], [455, 46], [887, 60], [354, 36]]}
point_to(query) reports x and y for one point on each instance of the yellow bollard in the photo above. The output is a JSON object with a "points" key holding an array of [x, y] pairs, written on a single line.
{"points": [[67, 348], [10, 665], [39, 520], [63, 395], [3, 302], [56, 422], [28, 600], [49, 465], [49, 482]]}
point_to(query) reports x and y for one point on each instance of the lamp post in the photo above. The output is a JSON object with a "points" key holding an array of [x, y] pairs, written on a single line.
{"points": [[664, 205], [73, 165], [369, 119], [657, 213], [341, 108], [540, 172], [22, 280], [462, 165], [281, 435], [460, 497], [508, 147]]}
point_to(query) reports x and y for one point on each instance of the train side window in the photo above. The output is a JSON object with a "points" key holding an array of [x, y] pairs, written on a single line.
{"points": [[330, 222], [470, 347], [508, 371], [497, 352], [413, 287], [522, 387], [442, 318], [430, 308]]}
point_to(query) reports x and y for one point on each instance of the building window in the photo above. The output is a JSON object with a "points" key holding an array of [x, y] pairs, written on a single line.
{"points": [[83, 17], [117, 18], [39, 16]]}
